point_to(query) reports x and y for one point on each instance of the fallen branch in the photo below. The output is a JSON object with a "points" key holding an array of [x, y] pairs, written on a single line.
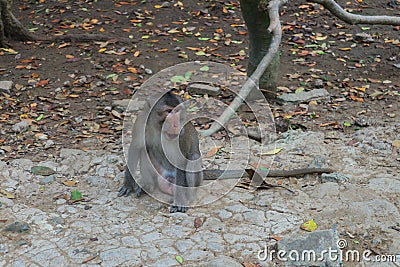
{"points": [[252, 81], [339, 12]]}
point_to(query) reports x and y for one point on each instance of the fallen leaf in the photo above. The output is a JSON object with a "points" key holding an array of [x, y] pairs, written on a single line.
{"points": [[309, 226], [70, 183], [271, 152], [396, 143], [42, 170], [7, 194], [212, 152], [75, 195], [198, 222], [179, 259]]}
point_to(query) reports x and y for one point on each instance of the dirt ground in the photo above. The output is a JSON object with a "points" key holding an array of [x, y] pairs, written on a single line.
{"points": [[65, 89]]}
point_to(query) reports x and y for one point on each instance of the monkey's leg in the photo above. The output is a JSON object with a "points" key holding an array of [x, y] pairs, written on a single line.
{"points": [[129, 185], [180, 201]]}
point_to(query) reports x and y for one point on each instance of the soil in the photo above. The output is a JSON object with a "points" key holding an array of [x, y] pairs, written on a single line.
{"points": [[65, 90]]}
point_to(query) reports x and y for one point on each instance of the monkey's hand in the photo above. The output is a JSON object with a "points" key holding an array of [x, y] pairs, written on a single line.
{"points": [[174, 209]]}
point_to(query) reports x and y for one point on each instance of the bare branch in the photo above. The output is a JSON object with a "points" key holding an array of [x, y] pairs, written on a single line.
{"points": [[252, 81], [339, 12]]}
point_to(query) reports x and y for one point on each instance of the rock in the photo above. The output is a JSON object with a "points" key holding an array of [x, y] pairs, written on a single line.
{"points": [[389, 185], [203, 89], [47, 180], [313, 244], [318, 83], [5, 87], [48, 144], [304, 96], [166, 4], [61, 201], [223, 261], [17, 227], [20, 127], [334, 177]]}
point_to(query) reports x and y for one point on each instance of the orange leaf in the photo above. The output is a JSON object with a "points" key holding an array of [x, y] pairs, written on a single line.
{"points": [[357, 99], [26, 60], [162, 50], [332, 123], [212, 152], [219, 30], [20, 67], [345, 48], [63, 45], [277, 238], [133, 70], [42, 83], [70, 183], [193, 48]]}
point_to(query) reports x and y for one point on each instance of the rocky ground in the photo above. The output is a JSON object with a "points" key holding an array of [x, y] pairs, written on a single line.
{"points": [[61, 112], [104, 230]]}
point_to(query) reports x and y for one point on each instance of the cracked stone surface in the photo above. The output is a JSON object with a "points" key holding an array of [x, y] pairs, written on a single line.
{"points": [[104, 230]]}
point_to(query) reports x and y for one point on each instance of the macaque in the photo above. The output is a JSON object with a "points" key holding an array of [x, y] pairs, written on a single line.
{"points": [[166, 146]]}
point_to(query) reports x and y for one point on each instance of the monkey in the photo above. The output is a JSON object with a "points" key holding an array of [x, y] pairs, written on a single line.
{"points": [[166, 146]]}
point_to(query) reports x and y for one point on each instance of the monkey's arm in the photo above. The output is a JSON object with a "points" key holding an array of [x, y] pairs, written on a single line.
{"points": [[134, 153], [236, 174]]}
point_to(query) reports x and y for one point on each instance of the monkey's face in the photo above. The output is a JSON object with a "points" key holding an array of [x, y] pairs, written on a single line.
{"points": [[172, 122]]}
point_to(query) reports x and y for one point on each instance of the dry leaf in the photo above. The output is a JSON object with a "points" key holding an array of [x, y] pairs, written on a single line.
{"points": [[7, 194], [70, 183], [212, 152]]}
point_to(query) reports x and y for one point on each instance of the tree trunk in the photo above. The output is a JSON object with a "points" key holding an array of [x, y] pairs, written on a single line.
{"points": [[257, 22], [10, 27]]}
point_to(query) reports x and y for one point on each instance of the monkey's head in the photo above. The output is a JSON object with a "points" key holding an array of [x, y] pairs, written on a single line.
{"points": [[169, 114]]}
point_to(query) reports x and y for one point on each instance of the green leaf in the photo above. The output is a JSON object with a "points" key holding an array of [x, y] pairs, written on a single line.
{"points": [[75, 195], [204, 38], [200, 53], [42, 170], [179, 259], [193, 109], [188, 75], [109, 76], [205, 68], [39, 117], [236, 42], [300, 89], [178, 79], [347, 124], [145, 37]]}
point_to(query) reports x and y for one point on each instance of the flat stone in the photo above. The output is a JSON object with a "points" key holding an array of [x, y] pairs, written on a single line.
{"points": [[120, 256], [5, 86], [304, 96], [223, 261], [390, 185], [20, 127], [297, 250], [203, 89]]}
